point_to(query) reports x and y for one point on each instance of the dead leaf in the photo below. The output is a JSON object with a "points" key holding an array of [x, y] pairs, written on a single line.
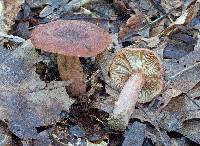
{"points": [[181, 83], [10, 11], [26, 101], [135, 135], [194, 92], [134, 23], [169, 5], [179, 45], [182, 115], [191, 129], [174, 66], [157, 29], [76, 4], [120, 5], [185, 18], [152, 42]]}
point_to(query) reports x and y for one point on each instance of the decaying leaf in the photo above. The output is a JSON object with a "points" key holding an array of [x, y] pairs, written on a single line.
{"points": [[182, 115], [194, 92], [174, 66], [152, 42], [197, 46], [10, 11], [135, 135], [179, 45], [134, 23], [181, 82], [121, 5], [185, 18], [26, 101], [103, 143], [76, 4], [168, 5]]}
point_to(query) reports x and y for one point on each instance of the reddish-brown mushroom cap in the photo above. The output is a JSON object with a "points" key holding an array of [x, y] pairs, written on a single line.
{"points": [[71, 37]]}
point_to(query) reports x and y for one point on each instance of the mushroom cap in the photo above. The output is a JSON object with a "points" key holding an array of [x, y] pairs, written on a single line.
{"points": [[71, 38], [131, 60]]}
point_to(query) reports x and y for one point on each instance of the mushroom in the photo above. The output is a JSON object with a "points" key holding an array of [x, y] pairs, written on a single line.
{"points": [[138, 73], [71, 39]]}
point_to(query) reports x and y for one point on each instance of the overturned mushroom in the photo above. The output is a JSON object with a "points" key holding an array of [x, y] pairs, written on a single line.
{"points": [[72, 39], [139, 75]]}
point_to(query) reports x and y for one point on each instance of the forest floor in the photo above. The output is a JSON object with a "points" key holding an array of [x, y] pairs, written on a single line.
{"points": [[37, 108]]}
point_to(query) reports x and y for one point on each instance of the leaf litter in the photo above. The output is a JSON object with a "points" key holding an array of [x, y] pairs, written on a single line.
{"points": [[30, 103], [26, 101]]}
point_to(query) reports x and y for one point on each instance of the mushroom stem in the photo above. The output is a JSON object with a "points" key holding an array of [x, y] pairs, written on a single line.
{"points": [[125, 105], [70, 69]]}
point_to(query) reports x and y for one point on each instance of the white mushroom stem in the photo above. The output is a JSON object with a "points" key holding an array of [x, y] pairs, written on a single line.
{"points": [[125, 105]]}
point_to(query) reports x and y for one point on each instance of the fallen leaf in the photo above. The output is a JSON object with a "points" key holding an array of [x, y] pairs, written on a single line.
{"points": [[135, 135], [174, 66], [191, 129], [181, 83], [182, 115], [26, 101], [197, 46], [121, 5], [152, 42], [10, 11], [133, 24], [169, 5], [38, 3], [194, 92], [185, 18], [179, 45]]}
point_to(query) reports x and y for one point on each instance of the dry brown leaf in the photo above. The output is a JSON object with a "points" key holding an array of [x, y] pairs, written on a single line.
{"points": [[179, 45], [134, 23], [26, 101], [158, 28], [152, 42], [174, 66], [169, 5], [194, 92], [191, 129], [123, 30], [181, 115], [121, 5], [10, 11], [135, 135], [185, 18], [104, 60], [181, 83]]}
